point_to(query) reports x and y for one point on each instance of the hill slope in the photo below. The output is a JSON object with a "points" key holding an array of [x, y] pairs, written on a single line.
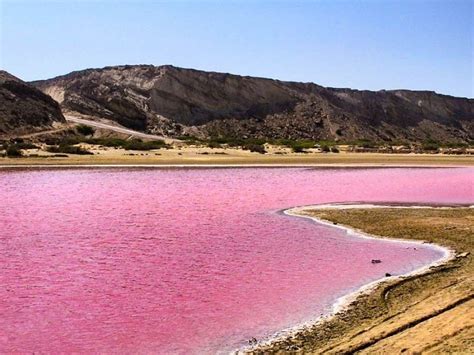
{"points": [[23, 108], [169, 100]]}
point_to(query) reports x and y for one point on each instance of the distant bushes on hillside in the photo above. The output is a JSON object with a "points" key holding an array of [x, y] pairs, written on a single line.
{"points": [[68, 149], [25, 145], [430, 145], [255, 148], [137, 144], [133, 144], [85, 130], [12, 151]]}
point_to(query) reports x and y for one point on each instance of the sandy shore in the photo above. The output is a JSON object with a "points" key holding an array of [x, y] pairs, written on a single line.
{"points": [[217, 157], [430, 309]]}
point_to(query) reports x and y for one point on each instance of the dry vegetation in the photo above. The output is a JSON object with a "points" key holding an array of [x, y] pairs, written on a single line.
{"points": [[429, 313]]}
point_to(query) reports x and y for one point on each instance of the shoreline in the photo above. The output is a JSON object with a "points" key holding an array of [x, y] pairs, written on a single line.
{"points": [[226, 165], [345, 302], [207, 157]]}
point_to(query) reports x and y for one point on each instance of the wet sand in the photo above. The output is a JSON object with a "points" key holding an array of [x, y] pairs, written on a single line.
{"points": [[431, 311]]}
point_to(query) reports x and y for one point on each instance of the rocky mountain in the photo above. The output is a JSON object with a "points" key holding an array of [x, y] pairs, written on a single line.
{"points": [[24, 108], [172, 101]]}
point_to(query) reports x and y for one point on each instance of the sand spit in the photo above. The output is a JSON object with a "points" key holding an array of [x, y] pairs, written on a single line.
{"points": [[289, 340]]}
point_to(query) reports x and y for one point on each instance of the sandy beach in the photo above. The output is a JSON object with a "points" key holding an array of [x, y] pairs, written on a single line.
{"points": [[430, 310], [231, 156]]}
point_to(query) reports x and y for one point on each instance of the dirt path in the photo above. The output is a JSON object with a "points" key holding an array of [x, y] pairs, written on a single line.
{"points": [[115, 128], [49, 131]]}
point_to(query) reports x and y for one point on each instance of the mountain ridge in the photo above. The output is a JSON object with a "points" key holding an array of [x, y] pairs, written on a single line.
{"points": [[25, 109], [174, 101]]}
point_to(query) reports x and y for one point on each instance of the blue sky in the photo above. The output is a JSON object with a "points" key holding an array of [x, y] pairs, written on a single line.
{"points": [[378, 44]]}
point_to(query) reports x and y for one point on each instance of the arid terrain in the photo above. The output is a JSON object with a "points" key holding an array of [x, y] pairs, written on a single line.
{"points": [[206, 156], [25, 109], [144, 114], [174, 101], [428, 313]]}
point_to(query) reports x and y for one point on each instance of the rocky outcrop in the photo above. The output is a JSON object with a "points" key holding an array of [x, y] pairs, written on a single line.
{"points": [[169, 100], [25, 109]]}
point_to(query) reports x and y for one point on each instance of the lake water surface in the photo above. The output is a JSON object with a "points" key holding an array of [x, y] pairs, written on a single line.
{"points": [[188, 260]]}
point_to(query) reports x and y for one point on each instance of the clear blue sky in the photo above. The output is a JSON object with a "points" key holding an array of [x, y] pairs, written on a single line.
{"points": [[379, 44]]}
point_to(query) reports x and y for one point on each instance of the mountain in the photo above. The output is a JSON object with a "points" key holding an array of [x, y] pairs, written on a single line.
{"points": [[170, 100], [24, 108]]}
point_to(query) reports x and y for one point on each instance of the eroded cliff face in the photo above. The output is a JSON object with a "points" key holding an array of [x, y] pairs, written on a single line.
{"points": [[25, 109], [170, 101]]}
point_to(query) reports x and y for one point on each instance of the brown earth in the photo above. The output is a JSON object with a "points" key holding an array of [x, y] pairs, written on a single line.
{"points": [[186, 155], [24, 108], [173, 101], [431, 313]]}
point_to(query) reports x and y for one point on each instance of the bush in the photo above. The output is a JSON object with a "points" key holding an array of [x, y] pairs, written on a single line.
{"points": [[134, 144], [430, 145], [26, 145], [298, 149], [137, 144], [189, 140], [456, 145], [334, 150], [68, 149], [365, 143], [63, 140], [297, 146], [13, 151], [85, 130], [237, 142], [213, 144], [325, 149], [256, 148], [107, 142]]}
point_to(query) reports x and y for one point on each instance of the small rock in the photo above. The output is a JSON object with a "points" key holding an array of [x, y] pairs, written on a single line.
{"points": [[376, 261], [387, 274]]}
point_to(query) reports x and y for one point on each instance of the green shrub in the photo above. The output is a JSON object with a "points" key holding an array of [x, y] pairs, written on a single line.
{"points": [[430, 145], [334, 150], [297, 146], [107, 142], [134, 144], [26, 145], [85, 130], [365, 143], [63, 140], [256, 148], [298, 149], [189, 140], [68, 149], [137, 144], [13, 151], [456, 145], [237, 142], [213, 144], [325, 149]]}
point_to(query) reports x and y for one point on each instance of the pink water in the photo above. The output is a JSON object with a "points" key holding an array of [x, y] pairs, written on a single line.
{"points": [[188, 260]]}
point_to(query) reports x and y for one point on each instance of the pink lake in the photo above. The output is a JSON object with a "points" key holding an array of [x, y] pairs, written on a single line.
{"points": [[189, 260]]}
